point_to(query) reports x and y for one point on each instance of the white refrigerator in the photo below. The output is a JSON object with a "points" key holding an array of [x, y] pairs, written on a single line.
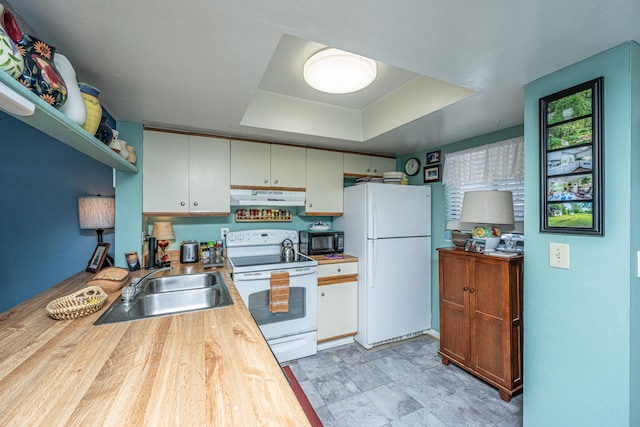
{"points": [[388, 227]]}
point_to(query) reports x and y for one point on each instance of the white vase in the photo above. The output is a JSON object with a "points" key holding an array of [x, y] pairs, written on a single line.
{"points": [[124, 152], [74, 107]]}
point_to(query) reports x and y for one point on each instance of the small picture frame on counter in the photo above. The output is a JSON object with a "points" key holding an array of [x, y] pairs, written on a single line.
{"points": [[133, 262], [98, 257], [474, 245]]}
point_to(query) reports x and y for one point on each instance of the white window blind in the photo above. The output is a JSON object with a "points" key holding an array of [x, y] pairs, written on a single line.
{"points": [[498, 166]]}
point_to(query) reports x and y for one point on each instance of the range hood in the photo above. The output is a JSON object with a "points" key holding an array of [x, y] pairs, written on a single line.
{"points": [[267, 198]]}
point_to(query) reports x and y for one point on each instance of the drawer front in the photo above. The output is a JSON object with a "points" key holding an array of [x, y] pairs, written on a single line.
{"points": [[339, 269]]}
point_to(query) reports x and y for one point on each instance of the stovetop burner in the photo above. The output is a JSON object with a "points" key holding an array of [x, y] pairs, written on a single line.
{"points": [[259, 250], [266, 260]]}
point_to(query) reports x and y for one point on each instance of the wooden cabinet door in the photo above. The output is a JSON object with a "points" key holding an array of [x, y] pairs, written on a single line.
{"points": [[165, 173], [380, 165], [337, 310], [490, 314], [250, 164], [324, 183], [288, 166], [455, 327], [209, 175]]}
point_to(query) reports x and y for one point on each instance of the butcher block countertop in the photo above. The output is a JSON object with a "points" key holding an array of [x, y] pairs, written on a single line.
{"points": [[335, 259], [207, 368]]}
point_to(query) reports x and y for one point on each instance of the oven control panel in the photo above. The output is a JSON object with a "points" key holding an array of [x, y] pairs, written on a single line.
{"points": [[260, 237]]}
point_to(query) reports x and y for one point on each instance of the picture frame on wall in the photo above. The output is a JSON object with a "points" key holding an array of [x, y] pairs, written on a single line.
{"points": [[98, 257], [432, 173], [433, 157], [571, 163]]}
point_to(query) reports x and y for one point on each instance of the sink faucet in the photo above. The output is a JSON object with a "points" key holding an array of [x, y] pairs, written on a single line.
{"points": [[131, 291]]}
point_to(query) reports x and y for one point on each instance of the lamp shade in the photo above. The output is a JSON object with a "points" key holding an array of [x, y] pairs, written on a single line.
{"points": [[162, 231], [487, 207], [96, 212]]}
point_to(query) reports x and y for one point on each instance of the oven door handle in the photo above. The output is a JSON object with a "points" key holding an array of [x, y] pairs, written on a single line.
{"points": [[267, 274]]}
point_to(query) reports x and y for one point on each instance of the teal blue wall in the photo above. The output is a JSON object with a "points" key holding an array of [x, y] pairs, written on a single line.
{"points": [[42, 179], [438, 214], [578, 322], [634, 230], [129, 198]]}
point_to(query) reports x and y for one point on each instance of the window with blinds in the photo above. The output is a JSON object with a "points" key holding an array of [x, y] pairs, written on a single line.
{"points": [[498, 166]]}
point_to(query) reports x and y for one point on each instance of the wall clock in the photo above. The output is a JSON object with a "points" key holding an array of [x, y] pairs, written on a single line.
{"points": [[412, 166]]}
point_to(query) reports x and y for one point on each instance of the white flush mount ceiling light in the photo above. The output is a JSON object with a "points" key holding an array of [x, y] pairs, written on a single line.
{"points": [[336, 71]]}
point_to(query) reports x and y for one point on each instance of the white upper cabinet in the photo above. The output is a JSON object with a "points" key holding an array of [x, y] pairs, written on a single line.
{"points": [[185, 175], [288, 166], [255, 164], [324, 183], [363, 164], [380, 165], [209, 175]]}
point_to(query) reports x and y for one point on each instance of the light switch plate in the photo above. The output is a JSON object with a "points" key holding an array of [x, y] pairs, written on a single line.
{"points": [[559, 255]]}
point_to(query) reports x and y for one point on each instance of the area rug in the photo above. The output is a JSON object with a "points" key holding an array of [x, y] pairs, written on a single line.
{"points": [[314, 420]]}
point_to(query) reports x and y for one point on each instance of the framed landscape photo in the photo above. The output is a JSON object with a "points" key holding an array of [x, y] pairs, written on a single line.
{"points": [[433, 157], [571, 171], [432, 173], [98, 257]]}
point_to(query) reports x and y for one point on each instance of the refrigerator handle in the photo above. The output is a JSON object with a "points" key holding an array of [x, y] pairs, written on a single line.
{"points": [[374, 258]]}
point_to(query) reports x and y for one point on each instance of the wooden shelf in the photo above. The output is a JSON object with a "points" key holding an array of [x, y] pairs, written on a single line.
{"points": [[55, 124], [261, 220]]}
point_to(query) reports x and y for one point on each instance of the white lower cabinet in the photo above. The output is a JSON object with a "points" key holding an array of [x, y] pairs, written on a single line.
{"points": [[337, 301]]}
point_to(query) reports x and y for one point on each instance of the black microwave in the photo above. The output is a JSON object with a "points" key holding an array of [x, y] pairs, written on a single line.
{"points": [[321, 242]]}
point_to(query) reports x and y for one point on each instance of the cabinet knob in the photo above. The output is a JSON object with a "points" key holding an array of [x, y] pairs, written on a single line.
{"points": [[471, 290], [266, 181], [275, 182], [339, 270], [195, 203], [181, 203], [310, 205], [464, 289], [321, 294]]}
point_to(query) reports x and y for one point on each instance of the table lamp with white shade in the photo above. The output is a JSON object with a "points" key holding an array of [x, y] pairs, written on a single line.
{"points": [[488, 209], [97, 213]]}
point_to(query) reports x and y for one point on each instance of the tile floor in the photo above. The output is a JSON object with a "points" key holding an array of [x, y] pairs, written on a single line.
{"points": [[399, 384]]}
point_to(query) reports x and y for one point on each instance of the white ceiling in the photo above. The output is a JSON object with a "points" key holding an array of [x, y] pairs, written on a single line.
{"points": [[200, 64]]}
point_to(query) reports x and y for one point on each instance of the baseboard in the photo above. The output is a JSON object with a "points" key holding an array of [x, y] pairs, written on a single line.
{"points": [[433, 334], [334, 343]]}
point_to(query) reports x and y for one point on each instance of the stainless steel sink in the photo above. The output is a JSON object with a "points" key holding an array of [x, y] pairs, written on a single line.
{"points": [[170, 295], [179, 283]]}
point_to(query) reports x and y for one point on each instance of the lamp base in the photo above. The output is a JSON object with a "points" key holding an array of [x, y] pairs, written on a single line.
{"points": [[491, 243]]}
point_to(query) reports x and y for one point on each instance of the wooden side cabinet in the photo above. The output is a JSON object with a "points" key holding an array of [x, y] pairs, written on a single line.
{"points": [[337, 300], [481, 316]]}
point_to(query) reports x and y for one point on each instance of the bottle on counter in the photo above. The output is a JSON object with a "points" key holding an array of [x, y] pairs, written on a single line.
{"points": [[204, 252]]}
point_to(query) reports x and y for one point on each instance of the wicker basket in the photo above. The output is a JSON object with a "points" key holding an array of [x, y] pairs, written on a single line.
{"points": [[78, 304]]}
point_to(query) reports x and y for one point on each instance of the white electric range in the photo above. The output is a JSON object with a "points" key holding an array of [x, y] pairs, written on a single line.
{"points": [[254, 255]]}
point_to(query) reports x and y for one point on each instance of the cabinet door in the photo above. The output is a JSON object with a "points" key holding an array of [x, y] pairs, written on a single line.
{"points": [[337, 310], [209, 175], [324, 183], [165, 173], [288, 166], [490, 315], [454, 307], [380, 165], [357, 164], [250, 164]]}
